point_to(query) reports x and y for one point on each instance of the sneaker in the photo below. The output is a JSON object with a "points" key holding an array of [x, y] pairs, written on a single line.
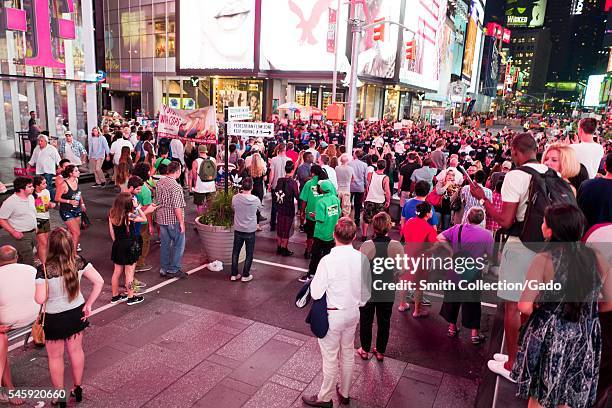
{"points": [[143, 268], [79, 248], [498, 368], [178, 274], [235, 278], [134, 300], [118, 298], [287, 252], [500, 357], [96, 185], [305, 278], [163, 273], [247, 278], [425, 301]]}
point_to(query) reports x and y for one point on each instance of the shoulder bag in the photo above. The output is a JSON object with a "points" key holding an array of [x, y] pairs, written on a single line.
{"points": [[38, 332]]}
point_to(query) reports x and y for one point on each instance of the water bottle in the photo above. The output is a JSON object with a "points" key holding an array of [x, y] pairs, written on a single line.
{"points": [[77, 198]]}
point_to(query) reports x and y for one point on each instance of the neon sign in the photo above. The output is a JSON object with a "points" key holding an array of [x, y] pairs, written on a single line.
{"points": [[44, 26]]}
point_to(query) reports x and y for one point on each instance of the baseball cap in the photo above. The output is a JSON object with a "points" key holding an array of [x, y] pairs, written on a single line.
{"points": [[506, 165], [323, 144], [202, 149], [66, 133]]}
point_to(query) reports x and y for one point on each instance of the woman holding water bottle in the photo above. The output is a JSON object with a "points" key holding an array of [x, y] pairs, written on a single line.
{"points": [[71, 202]]}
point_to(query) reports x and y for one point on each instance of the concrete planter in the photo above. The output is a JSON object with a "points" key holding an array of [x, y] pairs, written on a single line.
{"points": [[217, 243]]}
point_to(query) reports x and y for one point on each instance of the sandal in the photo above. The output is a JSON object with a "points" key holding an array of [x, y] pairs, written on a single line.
{"points": [[363, 354], [379, 356], [452, 332], [479, 339], [403, 307]]}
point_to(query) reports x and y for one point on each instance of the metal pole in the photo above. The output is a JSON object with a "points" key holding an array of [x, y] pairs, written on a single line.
{"points": [[352, 102], [335, 80], [543, 103], [226, 172]]}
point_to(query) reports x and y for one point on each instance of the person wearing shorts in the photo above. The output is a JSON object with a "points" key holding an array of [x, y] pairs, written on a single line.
{"points": [[377, 196], [42, 201]]}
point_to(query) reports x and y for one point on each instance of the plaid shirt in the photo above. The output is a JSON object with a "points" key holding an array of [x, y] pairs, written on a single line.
{"points": [[497, 202], [77, 147], [169, 196]]}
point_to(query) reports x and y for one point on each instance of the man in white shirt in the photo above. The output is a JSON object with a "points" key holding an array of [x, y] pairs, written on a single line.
{"points": [[344, 278], [18, 218], [516, 257], [115, 149], [331, 173], [588, 152], [17, 306], [46, 158], [453, 162]]}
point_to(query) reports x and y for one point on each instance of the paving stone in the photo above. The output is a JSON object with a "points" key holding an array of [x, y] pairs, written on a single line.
{"points": [[249, 341], [264, 363], [153, 329], [222, 396], [240, 386], [290, 340], [288, 382], [411, 393], [377, 381], [228, 329], [191, 387], [273, 395], [236, 322], [305, 364], [224, 361], [423, 374], [97, 336], [102, 358], [295, 335], [456, 392]]}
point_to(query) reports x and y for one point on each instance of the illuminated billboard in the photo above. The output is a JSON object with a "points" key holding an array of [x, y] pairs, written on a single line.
{"points": [[377, 58], [426, 18], [470, 48], [525, 13], [294, 35], [216, 35], [592, 95]]}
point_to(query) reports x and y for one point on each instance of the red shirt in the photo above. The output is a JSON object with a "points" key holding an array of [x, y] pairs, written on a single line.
{"points": [[293, 155], [417, 231]]}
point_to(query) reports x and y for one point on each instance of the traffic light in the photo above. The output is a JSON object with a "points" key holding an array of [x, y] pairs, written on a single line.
{"points": [[410, 50], [379, 30]]}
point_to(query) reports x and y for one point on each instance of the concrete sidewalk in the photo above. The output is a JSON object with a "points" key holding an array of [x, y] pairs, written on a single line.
{"points": [[168, 354]]}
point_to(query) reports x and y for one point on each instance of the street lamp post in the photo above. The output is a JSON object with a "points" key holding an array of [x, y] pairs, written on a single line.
{"points": [[358, 28]]}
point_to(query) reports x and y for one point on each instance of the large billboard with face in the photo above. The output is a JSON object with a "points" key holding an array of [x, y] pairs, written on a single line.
{"points": [[377, 58], [216, 34], [426, 18], [294, 35], [525, 13], [470, 49]]}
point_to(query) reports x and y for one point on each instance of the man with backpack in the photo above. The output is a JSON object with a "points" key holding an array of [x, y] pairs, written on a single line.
{"points": [[202, 179], [526, 192]]}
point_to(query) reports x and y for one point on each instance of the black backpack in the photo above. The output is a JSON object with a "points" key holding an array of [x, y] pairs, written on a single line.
{"points": [[544, 190], [279, 193]]}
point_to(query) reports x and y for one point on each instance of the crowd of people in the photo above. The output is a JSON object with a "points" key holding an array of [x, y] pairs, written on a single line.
{"points": [[408, 192]]}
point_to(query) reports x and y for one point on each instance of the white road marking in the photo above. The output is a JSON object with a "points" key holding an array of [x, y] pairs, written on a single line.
{"points": [[109, 305]]}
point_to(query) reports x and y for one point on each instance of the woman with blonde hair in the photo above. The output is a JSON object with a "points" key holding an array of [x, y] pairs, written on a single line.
{"points": [[127, 245], [257, 171], [331, 151], [562, 158], [66, 311]]}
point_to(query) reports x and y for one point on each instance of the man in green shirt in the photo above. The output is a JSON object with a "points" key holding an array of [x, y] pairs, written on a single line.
{"points": [[163, 157], [308, 200], [326, 214]]}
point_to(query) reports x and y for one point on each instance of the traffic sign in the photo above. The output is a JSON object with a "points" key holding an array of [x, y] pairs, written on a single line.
{"points": [[239, 113], [250, 129]]}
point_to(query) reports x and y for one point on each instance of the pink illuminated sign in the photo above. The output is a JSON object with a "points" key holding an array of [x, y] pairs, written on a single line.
{"points": [[44, 26]]}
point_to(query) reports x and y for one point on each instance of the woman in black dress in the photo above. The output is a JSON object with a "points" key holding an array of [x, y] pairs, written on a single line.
{"points": [[285, 195], [126, 246]]}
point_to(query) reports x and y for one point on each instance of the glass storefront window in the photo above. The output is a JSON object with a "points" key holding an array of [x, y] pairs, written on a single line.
{"points": [[239, 92], [307, 95], [392, 100]]}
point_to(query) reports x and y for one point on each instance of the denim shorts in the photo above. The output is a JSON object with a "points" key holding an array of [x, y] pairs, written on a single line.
{"points": [[70, 214]]}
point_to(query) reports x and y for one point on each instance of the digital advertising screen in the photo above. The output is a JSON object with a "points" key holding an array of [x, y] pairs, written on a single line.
{"points": [[377, 58], [460, 22], [426, 18], [525, 13], [470, 48], [592, 94], [294, 35], [216, 34]]}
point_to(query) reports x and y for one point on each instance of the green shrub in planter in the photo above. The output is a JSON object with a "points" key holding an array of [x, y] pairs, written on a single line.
{"points": [[219, 212]]}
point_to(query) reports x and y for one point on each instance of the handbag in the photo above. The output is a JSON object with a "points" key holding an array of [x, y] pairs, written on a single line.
{"points": [[434, 198], [85, 222], [38, 332]]}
